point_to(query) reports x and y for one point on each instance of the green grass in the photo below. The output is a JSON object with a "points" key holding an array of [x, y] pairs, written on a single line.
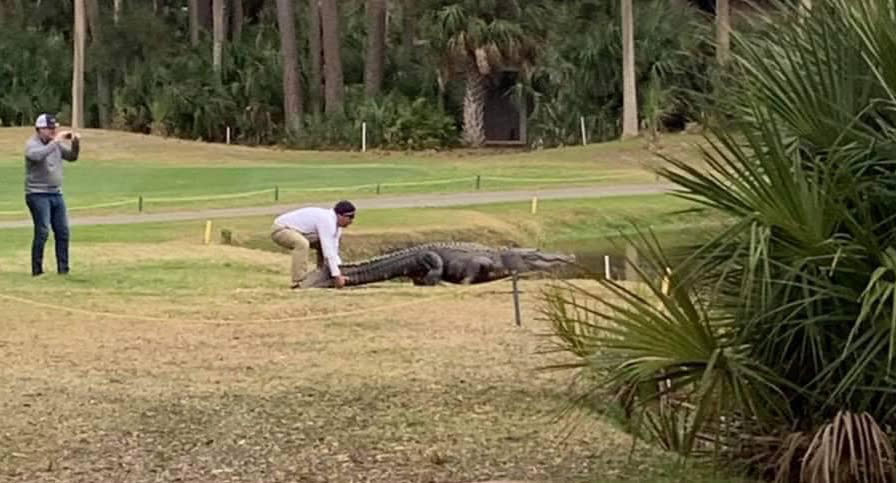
{"points": [[120, 167], [555, 222], [448, 390]]}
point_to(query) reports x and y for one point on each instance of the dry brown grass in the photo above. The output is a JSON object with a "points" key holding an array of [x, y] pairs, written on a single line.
{"points": [[118, 146], [446, 390]]}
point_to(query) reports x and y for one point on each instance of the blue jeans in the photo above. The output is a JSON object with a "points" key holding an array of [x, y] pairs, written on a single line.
{"points": [[48, 210]]}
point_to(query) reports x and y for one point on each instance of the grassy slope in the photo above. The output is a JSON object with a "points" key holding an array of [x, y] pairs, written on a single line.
{"points": [[118, 166], [444, 390], [557, 223]]}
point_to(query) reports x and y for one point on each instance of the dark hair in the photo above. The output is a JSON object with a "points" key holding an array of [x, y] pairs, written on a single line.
{"points": [[344, 208]]}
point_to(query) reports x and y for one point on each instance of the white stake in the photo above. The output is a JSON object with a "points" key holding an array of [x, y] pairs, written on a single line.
{"points": [[584, 140], [607, 267], [228, 134], [363, 137]]}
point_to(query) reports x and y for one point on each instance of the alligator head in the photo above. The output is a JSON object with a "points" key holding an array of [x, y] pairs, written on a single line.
{"points": [[532, 260]]}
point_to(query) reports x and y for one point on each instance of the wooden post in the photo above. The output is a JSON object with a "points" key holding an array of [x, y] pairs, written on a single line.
{"points": [[477, 181], [631, 255], [228, 134], [140, 203], [607, 267], [377, 188], [534, 204], [276, 193], [516, 300], [584, 138], [208, 232], [363, 137]]}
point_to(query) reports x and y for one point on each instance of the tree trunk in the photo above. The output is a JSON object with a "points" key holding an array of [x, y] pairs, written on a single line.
{"points": [[334, 88], [376, 47], [474, 107], [194, 22], [723, 31], [629, 98], [205, 14], [218, 33], [408, 29], [315, 80], [236, 20], [78, 65], [292, 97], [116, 11], [103, 94]]}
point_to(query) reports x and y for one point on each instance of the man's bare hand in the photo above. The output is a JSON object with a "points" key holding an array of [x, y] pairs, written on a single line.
{"points": [[62, 135], [340, 281]]}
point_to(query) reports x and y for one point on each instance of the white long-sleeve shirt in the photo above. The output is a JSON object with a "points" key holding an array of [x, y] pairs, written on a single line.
{"points": [[321, 221]]}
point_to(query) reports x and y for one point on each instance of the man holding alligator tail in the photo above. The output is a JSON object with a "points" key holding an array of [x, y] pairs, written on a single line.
{"points": [[317, 228]]}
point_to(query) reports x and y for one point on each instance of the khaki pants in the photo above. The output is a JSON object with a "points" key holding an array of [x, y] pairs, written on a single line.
{"points": [[300, 244]]}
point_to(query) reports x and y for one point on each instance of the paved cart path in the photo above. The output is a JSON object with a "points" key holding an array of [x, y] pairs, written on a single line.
{"points": [[407, 201]]}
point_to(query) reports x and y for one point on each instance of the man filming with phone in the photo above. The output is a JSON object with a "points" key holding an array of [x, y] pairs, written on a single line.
{"points": [[44, 155]]}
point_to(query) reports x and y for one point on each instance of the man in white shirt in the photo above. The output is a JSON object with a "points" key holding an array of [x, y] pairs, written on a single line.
{"points": [[317, 228]]}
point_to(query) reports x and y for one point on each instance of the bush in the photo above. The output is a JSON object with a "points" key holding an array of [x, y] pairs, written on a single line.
{"points": [[393, 122], [581, 75], [774, 344]]}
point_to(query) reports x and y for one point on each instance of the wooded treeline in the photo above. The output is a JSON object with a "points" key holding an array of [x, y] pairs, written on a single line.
{"points": [[308, 72]]}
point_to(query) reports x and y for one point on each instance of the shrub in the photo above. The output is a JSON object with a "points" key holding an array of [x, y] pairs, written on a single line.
{"points": [[774, 345]]}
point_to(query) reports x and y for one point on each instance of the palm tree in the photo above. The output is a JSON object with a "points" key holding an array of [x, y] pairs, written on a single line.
{"points": [[334, 84], [219, 33], [315, 79], [236, 19], [292, 92], [103, 90], [194, 22], [629, 90], [771, 343], [78, 65], [376, 47], [723, 30], [481, 37]]}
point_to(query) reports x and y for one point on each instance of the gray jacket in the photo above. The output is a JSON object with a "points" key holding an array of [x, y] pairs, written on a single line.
{"points": [[43, 164]]}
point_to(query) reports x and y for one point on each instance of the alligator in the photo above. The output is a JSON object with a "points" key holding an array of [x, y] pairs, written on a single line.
{"points": [[442, 262]]}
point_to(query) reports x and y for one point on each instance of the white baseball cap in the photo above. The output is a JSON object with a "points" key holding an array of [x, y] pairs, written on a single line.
{"points": [[45, 121]]}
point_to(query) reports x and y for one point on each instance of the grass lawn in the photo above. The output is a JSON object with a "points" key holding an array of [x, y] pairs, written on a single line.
{"points": [[581, 223], [115, 168], [187, 362]]}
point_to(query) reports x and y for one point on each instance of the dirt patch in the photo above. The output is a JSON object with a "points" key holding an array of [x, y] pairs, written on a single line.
{"points": [[448, 390]]}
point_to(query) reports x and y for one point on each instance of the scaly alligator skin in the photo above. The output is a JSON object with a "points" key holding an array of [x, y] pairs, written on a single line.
{"points": [[451, 262]]}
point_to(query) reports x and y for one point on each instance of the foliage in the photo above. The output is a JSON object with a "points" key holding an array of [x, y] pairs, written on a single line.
{"points": [[581, 75], [33, 65], [393, 121], [159, 83], [774, 343]]}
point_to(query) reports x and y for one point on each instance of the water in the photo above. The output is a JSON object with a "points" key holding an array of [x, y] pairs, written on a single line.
{"points": [[594, 254]]}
